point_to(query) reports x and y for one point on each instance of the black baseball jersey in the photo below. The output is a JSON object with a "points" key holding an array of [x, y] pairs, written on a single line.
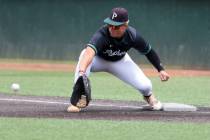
{"points": [[113, 49]]}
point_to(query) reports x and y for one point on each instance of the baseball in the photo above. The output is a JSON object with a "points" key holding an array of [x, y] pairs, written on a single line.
{"points": [[15, 87]]}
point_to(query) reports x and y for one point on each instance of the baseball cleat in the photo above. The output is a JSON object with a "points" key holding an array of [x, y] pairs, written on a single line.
{"points": [[154, 104], [82, 103], [73, 109]]}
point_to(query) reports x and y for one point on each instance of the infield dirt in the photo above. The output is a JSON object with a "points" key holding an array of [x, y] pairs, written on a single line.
{"points": [[55, 107], [71, 67]]}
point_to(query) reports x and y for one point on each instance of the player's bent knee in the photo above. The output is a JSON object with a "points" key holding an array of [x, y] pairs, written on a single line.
{"points": [[146, 88]]}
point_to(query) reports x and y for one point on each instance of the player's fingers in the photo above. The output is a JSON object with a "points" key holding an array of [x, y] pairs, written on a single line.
{"points": [[167, 77], [161, 77], [164, 77]]}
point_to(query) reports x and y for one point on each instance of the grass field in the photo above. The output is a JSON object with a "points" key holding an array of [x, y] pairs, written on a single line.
{"points": [[190, 90], [53, 129]]}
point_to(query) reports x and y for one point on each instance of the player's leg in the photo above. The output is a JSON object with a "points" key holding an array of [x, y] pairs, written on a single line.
{"points": [[130, 73]]}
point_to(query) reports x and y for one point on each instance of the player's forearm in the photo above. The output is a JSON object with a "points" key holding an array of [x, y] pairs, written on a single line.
{"points": [[86, 59], [154, 59]]}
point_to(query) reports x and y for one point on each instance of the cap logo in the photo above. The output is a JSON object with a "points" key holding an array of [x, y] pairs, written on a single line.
{"points": [[114, 15]]}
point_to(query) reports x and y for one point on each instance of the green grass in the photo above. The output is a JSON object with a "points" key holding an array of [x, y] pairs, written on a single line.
{"points": [[190, 90], [53, 129], [37, 83]]}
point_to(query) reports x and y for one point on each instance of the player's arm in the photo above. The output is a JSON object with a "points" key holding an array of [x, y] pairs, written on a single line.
{"points": [[144, 48], [155, 60], [94, 45], [86, 59]]}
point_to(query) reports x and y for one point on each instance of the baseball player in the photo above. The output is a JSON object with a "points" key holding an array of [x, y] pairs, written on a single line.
{"points": [[107, 52]]}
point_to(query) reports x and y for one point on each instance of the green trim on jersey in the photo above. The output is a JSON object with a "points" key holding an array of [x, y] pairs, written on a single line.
{"points": [[150, 47], [93, 47]]}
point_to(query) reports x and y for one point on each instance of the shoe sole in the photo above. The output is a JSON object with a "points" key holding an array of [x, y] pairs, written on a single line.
{"points": [[150, 108], [73, 109]]}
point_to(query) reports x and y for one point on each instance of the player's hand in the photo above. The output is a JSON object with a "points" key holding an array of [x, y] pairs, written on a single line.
{"points": [[164, 76], [81, 72]]}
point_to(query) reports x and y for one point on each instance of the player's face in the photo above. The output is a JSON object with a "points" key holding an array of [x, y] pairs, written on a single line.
{"points": [[117, 31]]}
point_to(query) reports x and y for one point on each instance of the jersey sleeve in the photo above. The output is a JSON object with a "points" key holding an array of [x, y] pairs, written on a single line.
{"points": [[141, 45], [144, 48], [153, 57], [96, 42]]}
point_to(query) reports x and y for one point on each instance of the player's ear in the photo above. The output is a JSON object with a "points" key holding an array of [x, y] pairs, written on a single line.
{"points": [[127, 23], [126, 26]]}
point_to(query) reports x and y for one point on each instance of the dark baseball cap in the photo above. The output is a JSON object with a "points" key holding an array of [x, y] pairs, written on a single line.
{"points": [[117, 17]]}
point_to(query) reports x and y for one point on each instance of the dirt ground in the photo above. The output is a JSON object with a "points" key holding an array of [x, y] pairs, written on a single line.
{"points": [[71, 67], [55, 107]]}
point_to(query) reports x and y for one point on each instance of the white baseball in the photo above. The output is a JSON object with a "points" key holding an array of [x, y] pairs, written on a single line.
{"points": [[15, 87]]}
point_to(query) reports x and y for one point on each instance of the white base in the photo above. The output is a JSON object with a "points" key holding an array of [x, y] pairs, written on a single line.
{"points": [[178, 107]]}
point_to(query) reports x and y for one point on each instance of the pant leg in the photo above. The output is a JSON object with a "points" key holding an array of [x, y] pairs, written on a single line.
{"points": [[130, 73], [125, 69]]}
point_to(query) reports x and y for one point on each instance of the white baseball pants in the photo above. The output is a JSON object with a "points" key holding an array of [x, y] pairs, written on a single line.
{"points": [[125, 69]]}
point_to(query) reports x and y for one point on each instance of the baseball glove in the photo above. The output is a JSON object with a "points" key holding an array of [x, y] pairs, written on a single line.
{"points": [[81, 94]]}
